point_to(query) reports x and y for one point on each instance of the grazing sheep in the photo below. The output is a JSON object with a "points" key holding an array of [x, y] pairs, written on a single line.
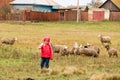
{"points": [[93, 47], [87, 51], [64, 50], [58, 48], [111, 51], [105, 39], [69, 51], [8, 41]]}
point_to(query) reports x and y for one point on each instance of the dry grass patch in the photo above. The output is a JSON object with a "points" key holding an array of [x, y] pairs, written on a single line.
{"points": [[71, 70], [105, 76]]}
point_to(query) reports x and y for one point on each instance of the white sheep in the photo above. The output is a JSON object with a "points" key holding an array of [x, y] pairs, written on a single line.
{"points": [[105, 39], [111, 51], [8, 41]]}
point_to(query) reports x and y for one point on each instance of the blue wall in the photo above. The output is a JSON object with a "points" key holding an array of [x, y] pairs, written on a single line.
{"points": [[42, 8]]}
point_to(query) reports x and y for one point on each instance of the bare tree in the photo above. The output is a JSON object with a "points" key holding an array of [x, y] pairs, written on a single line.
{"points": [[5, 10], [95, 3]]}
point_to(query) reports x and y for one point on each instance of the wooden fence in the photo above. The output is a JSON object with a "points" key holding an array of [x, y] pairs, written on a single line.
{"points": [[41, 16], [11, 17], [52, 16]]}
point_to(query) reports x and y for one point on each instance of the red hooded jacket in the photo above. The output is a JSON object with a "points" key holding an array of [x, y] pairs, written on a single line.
{"points": [[46, 51]]}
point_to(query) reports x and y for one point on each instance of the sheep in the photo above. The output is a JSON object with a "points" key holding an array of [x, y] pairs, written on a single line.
{"points": [[8, 41], [105, 39], [111, 51], [64, 50], [94, 47], [59, 48], [69, 51], [87, 51]]}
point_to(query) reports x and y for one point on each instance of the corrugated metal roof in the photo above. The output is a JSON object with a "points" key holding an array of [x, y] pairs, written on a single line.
{"points": [[46, 2], [23, 2], [37, 2]]}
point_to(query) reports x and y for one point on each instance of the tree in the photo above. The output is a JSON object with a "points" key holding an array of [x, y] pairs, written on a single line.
{"points": [[95, 3], [5, 10]]}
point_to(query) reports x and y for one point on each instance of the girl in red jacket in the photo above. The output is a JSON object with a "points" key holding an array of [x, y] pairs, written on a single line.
{"points": [[46, 52]]}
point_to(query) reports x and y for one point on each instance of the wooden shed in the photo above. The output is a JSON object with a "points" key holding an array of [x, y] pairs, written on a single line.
{"points": [[112, 5]]}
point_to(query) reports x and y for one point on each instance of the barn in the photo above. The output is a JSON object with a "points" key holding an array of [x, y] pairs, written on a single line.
{"points": [[112, 5], [35, 5]]}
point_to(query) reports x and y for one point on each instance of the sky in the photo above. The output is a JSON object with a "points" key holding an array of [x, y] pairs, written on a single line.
{"points": [[73, 2]]}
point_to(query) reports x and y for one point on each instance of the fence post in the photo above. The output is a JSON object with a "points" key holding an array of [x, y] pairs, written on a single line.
{"points": [[24, 16]]}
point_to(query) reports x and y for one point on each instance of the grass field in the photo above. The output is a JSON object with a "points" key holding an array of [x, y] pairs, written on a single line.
{"points": [[21, 60]]}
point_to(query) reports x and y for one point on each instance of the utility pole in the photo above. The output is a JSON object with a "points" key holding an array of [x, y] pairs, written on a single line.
{"points": [[78, 11]]}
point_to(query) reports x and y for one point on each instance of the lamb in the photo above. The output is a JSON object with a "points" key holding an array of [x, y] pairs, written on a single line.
{"points": [[8, 41], [111, 51], [105, 39]]}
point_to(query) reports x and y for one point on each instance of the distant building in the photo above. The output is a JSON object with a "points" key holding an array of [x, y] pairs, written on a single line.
{"points": [[35, 5], [112, 5]]}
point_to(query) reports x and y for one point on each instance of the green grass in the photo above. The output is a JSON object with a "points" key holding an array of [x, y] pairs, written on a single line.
{"points": [[21, 60]]}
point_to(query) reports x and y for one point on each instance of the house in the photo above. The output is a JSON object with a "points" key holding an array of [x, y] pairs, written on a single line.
{"points": [[112, 5], [35, 5]]}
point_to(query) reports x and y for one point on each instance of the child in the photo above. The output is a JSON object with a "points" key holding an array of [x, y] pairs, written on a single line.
{"points": [[46, 52]]}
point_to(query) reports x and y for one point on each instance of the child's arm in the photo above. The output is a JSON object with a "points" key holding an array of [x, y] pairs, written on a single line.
{"points": [[40, 46]]}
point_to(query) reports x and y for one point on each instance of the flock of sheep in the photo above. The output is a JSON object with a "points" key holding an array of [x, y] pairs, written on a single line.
{"points": [[87, 50]]}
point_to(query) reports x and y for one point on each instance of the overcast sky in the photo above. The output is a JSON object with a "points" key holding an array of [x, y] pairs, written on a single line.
{"points": [[73, 2]]}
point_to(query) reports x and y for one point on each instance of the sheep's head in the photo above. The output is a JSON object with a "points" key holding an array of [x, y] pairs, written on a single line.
{"points": [[87, 45], [107, 47]]}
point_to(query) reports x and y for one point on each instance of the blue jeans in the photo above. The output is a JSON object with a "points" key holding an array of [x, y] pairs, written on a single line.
{"points": [[44, 62]]}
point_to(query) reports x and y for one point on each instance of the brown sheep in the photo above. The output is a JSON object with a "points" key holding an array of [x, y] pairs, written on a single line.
{"points": [[8, 41], [94, 47], [111, 51], [105, 39], [87, 52], [68, 51], [64, 50], [58, 48]]}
